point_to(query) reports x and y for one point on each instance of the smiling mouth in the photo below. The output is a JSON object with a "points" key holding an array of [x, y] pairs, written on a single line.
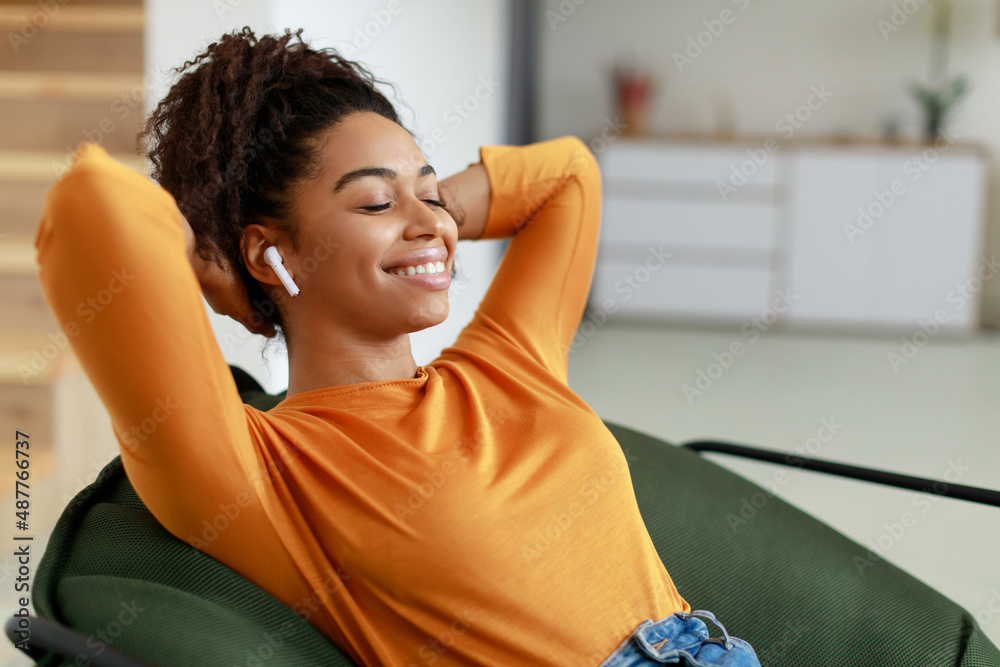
{"points": [[428, 269]]}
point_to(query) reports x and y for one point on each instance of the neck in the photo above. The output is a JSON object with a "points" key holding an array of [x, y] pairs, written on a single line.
{"points": [[335, 361]]}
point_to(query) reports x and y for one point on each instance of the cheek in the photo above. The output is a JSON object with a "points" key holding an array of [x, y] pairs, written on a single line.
{"points": [[340, 255], [323, 258]]}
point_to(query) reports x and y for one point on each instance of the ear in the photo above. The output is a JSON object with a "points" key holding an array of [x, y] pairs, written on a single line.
{"points": [[255, 240]]}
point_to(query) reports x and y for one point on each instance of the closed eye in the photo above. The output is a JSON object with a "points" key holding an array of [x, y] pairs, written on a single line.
{"points": [[382, 207]]}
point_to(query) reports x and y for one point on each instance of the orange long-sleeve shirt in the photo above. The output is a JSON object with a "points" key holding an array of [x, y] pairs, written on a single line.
{"points": [[477, 514]]}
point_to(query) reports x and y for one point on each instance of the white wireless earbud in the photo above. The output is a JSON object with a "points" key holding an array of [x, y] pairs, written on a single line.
{"points": [[272, 257]]}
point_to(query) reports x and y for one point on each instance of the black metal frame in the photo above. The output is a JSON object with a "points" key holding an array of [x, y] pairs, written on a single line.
{"points": [[47, 636], [922, 484]]}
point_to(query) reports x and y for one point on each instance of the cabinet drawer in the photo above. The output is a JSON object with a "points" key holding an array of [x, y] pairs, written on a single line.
{"points": [[705, 293], [688, 224], [687, 163]]}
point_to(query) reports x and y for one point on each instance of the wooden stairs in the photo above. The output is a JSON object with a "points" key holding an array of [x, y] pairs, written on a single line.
{"points": [[70, 71]]}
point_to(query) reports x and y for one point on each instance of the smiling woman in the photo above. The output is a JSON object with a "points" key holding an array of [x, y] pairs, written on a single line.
{"points": [[369, 199], [269, 144], [314, 156]]}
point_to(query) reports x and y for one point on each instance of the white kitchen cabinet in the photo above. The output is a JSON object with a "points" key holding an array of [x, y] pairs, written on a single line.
{"points": [[720, 268], [884, 238], [794, 228]]}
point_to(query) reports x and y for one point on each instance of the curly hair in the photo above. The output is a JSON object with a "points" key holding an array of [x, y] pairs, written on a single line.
{"points": [[237, 131]]}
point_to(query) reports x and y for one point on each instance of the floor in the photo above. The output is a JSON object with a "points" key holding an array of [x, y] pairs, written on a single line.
{"points": [[937, 415], [934, 414]]}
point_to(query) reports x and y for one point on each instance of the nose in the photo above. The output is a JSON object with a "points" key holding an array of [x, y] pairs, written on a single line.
{"points": [[423, 221]]}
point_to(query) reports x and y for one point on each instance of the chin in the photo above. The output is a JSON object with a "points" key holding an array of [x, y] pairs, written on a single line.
{"points": [[433, 315]]}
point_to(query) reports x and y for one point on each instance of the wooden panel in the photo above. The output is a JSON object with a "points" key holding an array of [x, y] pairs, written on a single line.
{"points": [[116, 3], [688, 224], [25, 308], [28, 408], [25, 177], [21, 208], [27, 19], [50, 50], [69, 86], [31, 368], [59, 125], [45, 167], [17, 256]]}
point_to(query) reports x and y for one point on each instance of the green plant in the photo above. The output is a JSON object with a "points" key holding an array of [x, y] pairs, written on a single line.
{"points": [[944, 92]]}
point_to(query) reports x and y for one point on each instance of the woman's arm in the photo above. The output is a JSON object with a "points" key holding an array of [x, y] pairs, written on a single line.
{"points": [[545, 197], [113, 267], [467, 197]]}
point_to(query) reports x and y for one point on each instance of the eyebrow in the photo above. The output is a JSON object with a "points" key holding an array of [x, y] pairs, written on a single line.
{"points": [[378, 172]]}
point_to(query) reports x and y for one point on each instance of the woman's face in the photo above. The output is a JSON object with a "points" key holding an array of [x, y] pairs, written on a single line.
{"points": [[371, 209]]}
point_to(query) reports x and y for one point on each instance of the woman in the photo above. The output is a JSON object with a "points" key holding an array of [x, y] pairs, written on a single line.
{"points": [[471, 511]]}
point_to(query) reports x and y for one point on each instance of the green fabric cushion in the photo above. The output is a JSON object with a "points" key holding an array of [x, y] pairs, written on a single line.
{"points": [[109, 561], [784, 581]]}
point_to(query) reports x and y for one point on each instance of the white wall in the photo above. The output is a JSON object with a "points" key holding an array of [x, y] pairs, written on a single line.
{"points": [[762, 66], [434, 55]]}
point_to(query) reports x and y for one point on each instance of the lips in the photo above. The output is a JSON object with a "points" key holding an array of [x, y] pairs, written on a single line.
{"points": [[422, 256]]}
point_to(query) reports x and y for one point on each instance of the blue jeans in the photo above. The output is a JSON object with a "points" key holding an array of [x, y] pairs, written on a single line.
{"points": [[681, 639]]}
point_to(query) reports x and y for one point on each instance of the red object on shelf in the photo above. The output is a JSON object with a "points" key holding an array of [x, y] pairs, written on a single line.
{"points": [[635, 92]]}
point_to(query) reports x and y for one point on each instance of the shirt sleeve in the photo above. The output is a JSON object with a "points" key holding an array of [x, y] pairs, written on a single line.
{"points": [[547, 196], [115, 272]]}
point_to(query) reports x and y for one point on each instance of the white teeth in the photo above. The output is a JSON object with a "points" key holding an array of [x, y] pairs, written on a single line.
{"points": [[431, 268]]}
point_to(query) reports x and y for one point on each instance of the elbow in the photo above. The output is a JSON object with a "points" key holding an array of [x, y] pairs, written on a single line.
{"points": [[583, 165], [581, 159]]}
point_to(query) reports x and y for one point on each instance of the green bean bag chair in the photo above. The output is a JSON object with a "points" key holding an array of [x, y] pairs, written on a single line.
{"points": [[785, 582]]}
